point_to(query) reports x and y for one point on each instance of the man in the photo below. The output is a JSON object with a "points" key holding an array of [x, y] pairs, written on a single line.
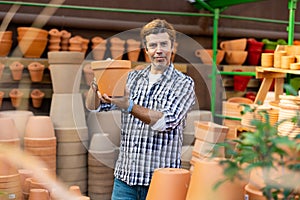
{"points": [[154, 111]]}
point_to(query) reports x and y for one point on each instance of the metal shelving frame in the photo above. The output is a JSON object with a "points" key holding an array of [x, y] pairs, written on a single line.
{"points": [[214, 6]]}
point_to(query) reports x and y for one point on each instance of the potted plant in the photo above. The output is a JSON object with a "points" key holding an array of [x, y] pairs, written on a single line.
{"points": [[272, 160]]}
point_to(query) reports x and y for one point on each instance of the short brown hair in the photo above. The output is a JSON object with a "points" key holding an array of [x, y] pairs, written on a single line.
{"points": [[158, 26]]}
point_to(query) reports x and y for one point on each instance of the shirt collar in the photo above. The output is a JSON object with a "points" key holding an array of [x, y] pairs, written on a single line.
{"points": [[166, 75]]}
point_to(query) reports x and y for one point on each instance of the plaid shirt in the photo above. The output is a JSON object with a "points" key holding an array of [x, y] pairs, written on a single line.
{"points": [[142, 149]]}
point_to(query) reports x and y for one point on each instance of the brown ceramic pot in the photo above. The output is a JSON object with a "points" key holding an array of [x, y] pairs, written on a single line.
{"points": [[16, 96], [16, 69], [37, 97], [36, 71]]}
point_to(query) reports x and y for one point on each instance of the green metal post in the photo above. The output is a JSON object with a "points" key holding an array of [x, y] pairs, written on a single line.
{"points": [[292, 7], [214, 65]]}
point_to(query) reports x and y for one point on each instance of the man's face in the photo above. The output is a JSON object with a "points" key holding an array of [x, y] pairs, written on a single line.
{"points": [[159, 49]]}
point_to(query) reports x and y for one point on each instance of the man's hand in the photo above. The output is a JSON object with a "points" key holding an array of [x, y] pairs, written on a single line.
{"points": [[121, 102]]}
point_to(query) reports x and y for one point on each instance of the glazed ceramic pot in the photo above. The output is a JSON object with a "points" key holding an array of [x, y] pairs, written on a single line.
{"points": [[39, 127], [169, 183], [111, 76], [206, 173], [206, 55], [16, 96], [37, 97], [36, 71], [16, 69]]}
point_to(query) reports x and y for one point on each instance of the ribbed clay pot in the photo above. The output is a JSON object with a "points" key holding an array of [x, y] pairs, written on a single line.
{"points": [[36, 71], [169, 184], [16, 69], [37, 97], [16, 96], [111, 76]]}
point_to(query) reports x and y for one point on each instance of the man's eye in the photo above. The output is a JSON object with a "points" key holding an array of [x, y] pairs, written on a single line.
{"points": [[152, 45]]}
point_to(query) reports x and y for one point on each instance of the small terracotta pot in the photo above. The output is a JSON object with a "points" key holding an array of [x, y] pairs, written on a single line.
{"points": [[111, 76], [169, 183], [16, 97], [133, 49], [37, 97], [5, 47], [75, 189], [54, 34], [16, 69], [36, 71], [99, 51]]}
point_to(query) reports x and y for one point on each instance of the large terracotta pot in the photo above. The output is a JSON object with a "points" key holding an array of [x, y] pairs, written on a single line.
{"points": [[8, 130], [206, 174], [169, 184], [39, 127], [111, 76]]}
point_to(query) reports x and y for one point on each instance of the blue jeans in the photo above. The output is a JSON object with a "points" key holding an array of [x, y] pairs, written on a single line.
{"points": [[122, 191]]}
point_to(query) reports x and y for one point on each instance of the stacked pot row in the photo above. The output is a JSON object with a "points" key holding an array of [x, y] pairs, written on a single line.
{"points": [[68, 116]]}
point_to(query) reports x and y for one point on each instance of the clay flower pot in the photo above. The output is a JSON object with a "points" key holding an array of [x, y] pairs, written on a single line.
{"points": [[8, 129], [39, 127], [235, 45], [75, 44], [65, 36], [39, 194], [16, 69], [5, 35], [111, 76], [16, 97], [206, 55], [5, 47], [55, 34], [169, 183], [99, 50], [37, 97], [234, 57], [36, 71], [1, 97], [133, 49], [32, 47]]}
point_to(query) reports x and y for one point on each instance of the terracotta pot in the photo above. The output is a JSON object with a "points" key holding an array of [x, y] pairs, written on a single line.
{"points": [[16, 96], [2, 66], [37, 97], [39, 127], [111, 76], [16, 69], [67, 111], [8, 129], [65, 57], [117, 42], [32, 47], [5, 47], [1, 97], [75, 189], [88, 74], [54, 34], [36, 71], [169, 183], [32, 32], [62, 72], [206, 55], [133, 49], [210, 131], [75, 43], [6, 35], [39, 194], [235, 45], [99, 51], [206, 174], [235, 57], [117, 52]]}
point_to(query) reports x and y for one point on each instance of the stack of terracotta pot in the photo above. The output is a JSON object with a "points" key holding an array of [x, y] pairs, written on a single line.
{"points": [[54, 40], [65, 36], [207, 135], [78, 44], [68, 116], [101, 161], [32, 41], [98, 47], [117, 47], [5, 42]]}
